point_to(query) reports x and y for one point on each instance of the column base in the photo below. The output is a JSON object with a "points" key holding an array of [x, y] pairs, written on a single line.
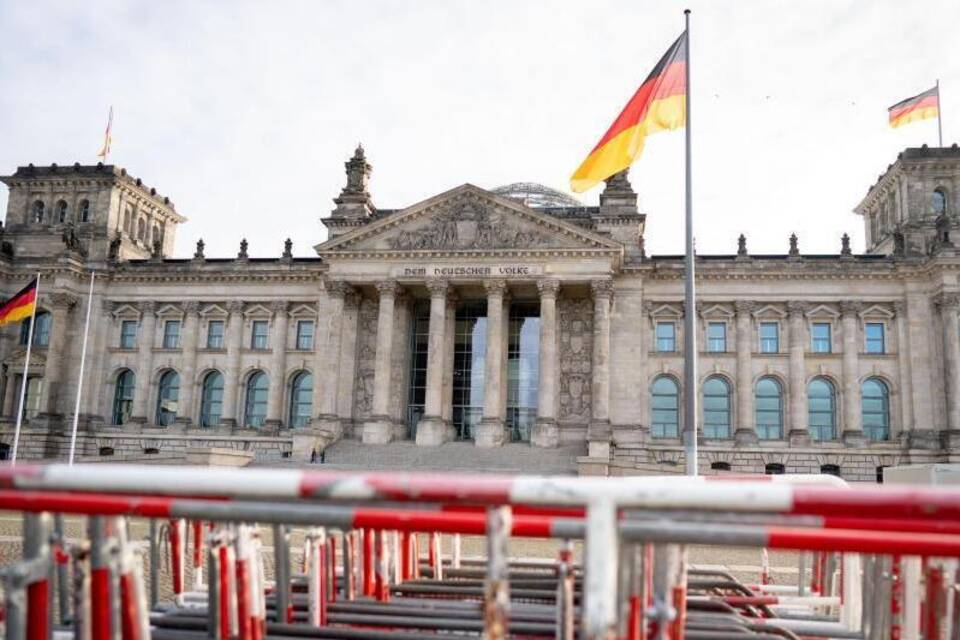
{"points": [[745, 437], [545, 433], [432, 431], [922, 439], [799, 438], [400, 431], [853, 439], [377, 430], [308, 444], [490, 433], [330, 424], [598, 439], [950, 439]]}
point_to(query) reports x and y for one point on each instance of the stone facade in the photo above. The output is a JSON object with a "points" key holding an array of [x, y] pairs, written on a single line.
{"points": [[472, 314]]}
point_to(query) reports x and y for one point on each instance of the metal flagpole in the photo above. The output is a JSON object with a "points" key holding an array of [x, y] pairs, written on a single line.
{"points": [[939, 114], [690, 303], [26, 369], [83, 359]]}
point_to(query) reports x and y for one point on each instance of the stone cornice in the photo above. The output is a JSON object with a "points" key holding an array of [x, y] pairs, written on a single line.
{"points": [[421, 254]]}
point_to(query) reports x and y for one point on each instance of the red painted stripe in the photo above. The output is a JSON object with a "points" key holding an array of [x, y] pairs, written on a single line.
{"points": [[929, 101], [520, 510], [38, 607], [884, 542], [100, 604], [887, 502], [890, 524], [451, 522], [414, 487], [740, 601], [130, 629], [85, 503]]}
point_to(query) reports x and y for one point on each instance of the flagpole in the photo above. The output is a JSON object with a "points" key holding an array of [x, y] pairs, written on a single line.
{"points": [[690, 303], [26, 369], [939, 114], [83, 359]]}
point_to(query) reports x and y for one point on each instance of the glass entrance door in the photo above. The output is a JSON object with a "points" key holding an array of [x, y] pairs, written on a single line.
{"points": [[523, 369]]}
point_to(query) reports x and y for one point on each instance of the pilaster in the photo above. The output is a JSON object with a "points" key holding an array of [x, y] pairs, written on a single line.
{"points": [[327, 366], [191, 321], [278, 364], [598, 432], [948, 304], [799, 434], [852, 423], [228, 417], [145, 340], [746, 433]]}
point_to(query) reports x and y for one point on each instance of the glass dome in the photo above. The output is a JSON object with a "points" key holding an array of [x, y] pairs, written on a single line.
{"points": [[537, 195]]}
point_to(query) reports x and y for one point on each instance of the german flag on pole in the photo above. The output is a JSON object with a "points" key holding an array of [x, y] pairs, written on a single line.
{"points": [[658, 105], [919, 107], [21, 305]]}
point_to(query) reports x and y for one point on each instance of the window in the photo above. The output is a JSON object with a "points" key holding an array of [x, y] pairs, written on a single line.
{"points": [[774, 469], [106, 451], [720, 466], [939, 202], [769, 337], [716, 408], [830, 469], [768, 403], [258, 335], [167, 395], [171, 334], [821, 337], [875, 339], [255, 407], [821, 409], [84, 211], [666, 336], [301, 399], [875, 409], [305, 335], [41, 335], [61, 211], [717, 337], [211, 399], [128, 334], [215, 334], [123, 397], [665, 408], [141, 230], [128, 221], [38, 210]]}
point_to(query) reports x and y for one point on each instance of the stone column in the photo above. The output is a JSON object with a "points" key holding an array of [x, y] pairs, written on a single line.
{"points": [[852, 423], [278, 364], [491, 432], [905, 375], [948, 303], [432, 430], [799, 433], [449, 357], [546, 432], [145, 342], [228, 418], [746, 433], [327, 367], [188, 342], [61, 304], [598, 432], [379, 428]]}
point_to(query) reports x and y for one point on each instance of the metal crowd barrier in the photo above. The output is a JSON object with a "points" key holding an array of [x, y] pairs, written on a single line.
{"points": [[882, 560]]}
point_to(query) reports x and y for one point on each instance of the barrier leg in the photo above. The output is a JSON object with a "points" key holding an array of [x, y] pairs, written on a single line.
{"points": [[600, 571], [455, 554], [496, 604], [101, 616], [63, 580], [911, 598], [36, 549], [635, 591], [80, 557], [177, 542], [331, 564], [406, 565], [349, 562], [214, 596], [154, 559], [382, 567], [565, 583], [396, 571], [896, 599], [281, 558], [197, 555]]}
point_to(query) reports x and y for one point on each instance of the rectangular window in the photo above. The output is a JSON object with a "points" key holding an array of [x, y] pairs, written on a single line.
{"points": [[128, 334], [821, 337], [875, 337], [171, 334], [769, 337], [258, 335], [215, 334], [717, 337], [305, 335], [666, 336]]}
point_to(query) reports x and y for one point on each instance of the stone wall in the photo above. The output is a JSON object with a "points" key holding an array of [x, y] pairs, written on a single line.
{"points": [[576, 348]]}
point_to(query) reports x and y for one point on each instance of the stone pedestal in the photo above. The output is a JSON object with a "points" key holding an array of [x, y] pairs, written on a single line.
{"points": [[400, 431], [598, 440], [545, 433], [854, 438], [490, 433], [923, 439], [745, 437], [308, 444], [377, 430], [950, 439], [432, 431], [330, 425], [799, 438], [599, 450]]}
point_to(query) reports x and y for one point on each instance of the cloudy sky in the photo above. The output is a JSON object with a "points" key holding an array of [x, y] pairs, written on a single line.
{"points": [[243, 113]]}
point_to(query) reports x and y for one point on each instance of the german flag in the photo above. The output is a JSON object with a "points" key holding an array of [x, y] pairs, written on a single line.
{"points": [[21, 305], [919, 107], [658, 105]]}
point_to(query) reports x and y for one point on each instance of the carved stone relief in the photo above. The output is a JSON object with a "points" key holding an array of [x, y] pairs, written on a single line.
{"points": [[366, 359], [576, 347]]}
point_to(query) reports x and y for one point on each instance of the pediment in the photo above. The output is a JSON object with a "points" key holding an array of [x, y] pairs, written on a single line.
{"points": [[770, 311], [716, 311], [821, 311], [877, 311], [258, 310], [38, 358], [467, 219], [214, 311], [126, 310]]}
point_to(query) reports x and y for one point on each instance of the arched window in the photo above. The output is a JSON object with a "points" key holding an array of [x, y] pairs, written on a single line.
{"points": [[665, 408], [822, 409], [38, 210], [41, 335], [128, 221], [123, 397], [716, 408], [301, 399], [768, 401], [211, 399], [84, 211], [61, 211], [156, 234], [939, 201], [255, 408], [141, 230], [875, 409], [167, 396]]}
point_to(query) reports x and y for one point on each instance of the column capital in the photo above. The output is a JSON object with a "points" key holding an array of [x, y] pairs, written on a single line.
{"points": [[797, 308], [548, 287], [947, 301], [495, 287], [235, 306], [438, 288], [900, 307], [388, 288], [337, 288], [744, 307], [279, 306], [602, 288], [452, 298], [147, 307], [191, 307], [850, 308], [62, 300]]}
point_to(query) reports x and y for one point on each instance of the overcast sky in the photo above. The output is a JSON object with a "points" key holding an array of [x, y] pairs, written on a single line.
{"points": [[243, 113]]}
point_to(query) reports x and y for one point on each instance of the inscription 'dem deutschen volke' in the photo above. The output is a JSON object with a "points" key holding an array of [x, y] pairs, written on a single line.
{"points": [[469, 271]]}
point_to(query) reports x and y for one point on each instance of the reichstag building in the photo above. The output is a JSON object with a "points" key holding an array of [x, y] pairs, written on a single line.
{"points": [[508, 315]]}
